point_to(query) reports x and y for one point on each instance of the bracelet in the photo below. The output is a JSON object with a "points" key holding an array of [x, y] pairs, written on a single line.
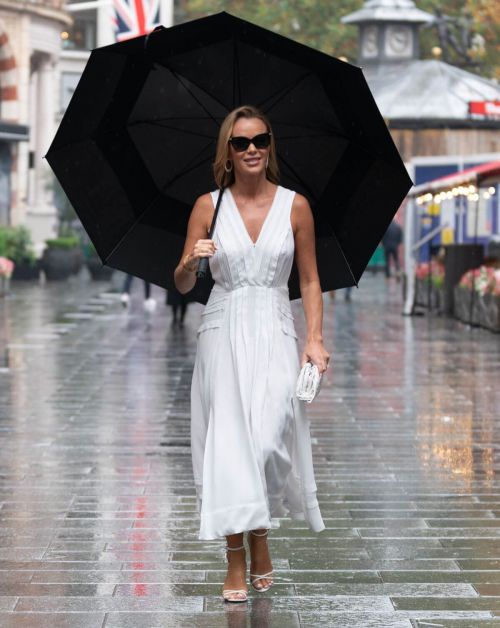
{"points": [[186, 268]]}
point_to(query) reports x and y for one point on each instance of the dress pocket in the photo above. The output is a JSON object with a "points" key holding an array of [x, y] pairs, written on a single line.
{"points": [[212, 315], [286, 321]]}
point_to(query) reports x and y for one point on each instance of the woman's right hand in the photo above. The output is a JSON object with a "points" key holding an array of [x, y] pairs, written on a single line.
{"points": [[202, 248]]}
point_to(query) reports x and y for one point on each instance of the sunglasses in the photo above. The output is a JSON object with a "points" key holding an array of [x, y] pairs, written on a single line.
{"points": [[241, 143]]}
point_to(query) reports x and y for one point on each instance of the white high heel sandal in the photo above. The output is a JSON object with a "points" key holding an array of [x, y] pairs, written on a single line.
{"points": [[227, 593], [256, 577]]}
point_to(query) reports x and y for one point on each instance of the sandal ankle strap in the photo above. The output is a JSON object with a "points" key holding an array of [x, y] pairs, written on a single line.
{"points": [[234, 549], [263, 534]]}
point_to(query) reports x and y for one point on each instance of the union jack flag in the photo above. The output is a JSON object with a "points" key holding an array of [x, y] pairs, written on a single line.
{"points": [[135, 17]]}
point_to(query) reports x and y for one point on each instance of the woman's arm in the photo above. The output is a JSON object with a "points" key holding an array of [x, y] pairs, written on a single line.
{"points": [[312, 299], [195, 246]]}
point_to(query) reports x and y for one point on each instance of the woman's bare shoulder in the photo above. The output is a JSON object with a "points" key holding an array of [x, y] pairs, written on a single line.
{"points": [[300, 203], [202, 214], [301, 214], [204, 203]]}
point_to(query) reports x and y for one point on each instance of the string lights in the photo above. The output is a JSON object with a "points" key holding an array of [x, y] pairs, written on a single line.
{"points": [[470, 191]]}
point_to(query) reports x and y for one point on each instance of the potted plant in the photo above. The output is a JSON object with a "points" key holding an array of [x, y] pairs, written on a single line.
{"points": [[422, 284], [62, 257], [429, 285], [18, 247], [96, 268], [477, 297], [437, 283]]}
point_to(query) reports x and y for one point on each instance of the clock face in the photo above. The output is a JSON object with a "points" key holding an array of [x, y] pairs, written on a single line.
{"points": [[398, 41], [369, 42]]}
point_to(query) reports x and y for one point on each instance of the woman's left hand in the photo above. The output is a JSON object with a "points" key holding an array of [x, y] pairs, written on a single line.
{"points": [[315, 352]]}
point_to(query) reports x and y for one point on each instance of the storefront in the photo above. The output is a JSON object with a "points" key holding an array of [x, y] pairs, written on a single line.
{"points": [[453, 245], [10, 135]]}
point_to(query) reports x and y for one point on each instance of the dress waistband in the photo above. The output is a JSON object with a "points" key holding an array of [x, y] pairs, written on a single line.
{"points": [[219, 289]]}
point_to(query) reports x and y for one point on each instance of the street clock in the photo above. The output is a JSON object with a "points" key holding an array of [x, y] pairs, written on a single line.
{"points": [[398, 41]]}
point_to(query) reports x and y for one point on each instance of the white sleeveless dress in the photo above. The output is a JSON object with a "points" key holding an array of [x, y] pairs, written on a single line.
{"points": [[250, 438]]}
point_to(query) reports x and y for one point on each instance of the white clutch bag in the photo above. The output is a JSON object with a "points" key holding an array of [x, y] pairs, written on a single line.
{"points": [[308, 382]]}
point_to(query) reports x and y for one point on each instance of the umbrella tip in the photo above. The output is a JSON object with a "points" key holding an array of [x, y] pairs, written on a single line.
{"points": [[156, 29]]}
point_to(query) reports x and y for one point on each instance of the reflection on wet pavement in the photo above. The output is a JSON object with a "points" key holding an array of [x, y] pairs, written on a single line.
{"points": [[98, 521]]}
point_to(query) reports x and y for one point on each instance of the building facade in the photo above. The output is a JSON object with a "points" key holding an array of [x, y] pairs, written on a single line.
{"points": [[44, 46], [30, 48]]}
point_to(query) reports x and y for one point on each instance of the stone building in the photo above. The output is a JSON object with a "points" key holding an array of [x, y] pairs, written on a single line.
{"points": [[44, 46], [30, 47]]}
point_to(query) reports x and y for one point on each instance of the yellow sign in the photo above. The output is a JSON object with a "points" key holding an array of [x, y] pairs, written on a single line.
{"points": [[447, 235], [434, 209]]}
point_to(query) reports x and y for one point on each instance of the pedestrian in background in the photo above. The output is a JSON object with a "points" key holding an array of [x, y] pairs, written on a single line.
{"points": [[178, 302], [391, 241], [149, 303]]}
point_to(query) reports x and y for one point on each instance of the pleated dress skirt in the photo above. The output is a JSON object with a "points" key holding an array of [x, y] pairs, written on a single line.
{"points": [[250, 436]]}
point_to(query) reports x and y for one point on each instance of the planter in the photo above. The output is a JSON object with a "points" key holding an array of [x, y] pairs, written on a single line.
{"points": [[489, 312], [4, 286], [422, 292], [97, 271], [59, 263], [78, 260], [25, 270], [485, 309], [459, 258], [437, 296], [428, 295]]}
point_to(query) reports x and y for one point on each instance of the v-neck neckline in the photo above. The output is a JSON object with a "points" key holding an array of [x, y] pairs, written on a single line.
{"points": [[264, 221]]}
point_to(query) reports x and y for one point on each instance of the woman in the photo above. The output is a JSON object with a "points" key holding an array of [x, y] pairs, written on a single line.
{"points": [[250, 437]]}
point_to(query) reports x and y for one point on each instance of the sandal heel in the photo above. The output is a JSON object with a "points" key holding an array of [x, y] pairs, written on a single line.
{"points": [[227, 593], [256, 577]]}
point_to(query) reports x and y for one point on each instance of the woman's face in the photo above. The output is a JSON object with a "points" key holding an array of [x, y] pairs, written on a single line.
{"points": [[251, 161]]}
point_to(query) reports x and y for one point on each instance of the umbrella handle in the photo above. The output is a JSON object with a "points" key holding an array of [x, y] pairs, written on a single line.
{"points": [[203, 263]]}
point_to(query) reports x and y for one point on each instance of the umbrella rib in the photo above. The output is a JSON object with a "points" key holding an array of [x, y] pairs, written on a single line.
{"points": [[202, 89], [343, 255], [236, 74], [331, 228], [281, 93], [172, 128], [301, 137], [297, 177], [124, 236], [192, 165], [137, 220], [180, 79]]}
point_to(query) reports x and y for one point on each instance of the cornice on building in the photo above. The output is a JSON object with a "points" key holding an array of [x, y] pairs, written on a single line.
{"points": [[48, 9]]}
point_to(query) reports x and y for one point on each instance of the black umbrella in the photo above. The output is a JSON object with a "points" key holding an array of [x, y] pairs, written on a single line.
{"points": [[135, 146]]}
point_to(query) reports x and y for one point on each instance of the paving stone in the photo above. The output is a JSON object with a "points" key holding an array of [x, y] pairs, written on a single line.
{"points": [[56, 604], [52, 620], [354, 620], [98, 520], [457, 623], [250, 614]]}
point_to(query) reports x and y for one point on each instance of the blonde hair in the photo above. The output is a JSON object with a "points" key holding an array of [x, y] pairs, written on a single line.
{"points": [[223, 178]]}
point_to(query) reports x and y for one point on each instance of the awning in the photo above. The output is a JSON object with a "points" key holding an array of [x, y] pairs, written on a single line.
{"points": [[14, 132], [485, 174]]}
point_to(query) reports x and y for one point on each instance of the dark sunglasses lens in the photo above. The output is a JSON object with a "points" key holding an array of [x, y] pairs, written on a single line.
{"points": [[240, 143], [261, 141]]}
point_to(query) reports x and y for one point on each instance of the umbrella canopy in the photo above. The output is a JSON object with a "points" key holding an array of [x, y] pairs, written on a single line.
{"points": [[135, 147]]}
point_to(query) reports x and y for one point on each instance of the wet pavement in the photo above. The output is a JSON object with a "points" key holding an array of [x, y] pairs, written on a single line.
{"points": [[98, 522]]}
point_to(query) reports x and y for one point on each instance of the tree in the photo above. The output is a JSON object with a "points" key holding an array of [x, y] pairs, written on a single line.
{"points": [[317, 24]]}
